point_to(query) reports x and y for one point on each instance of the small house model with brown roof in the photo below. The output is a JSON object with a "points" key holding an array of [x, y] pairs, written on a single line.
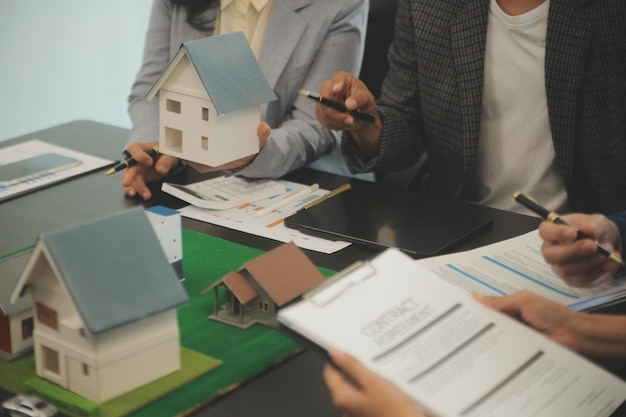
{"points": [[210, 97], [254, 293]]}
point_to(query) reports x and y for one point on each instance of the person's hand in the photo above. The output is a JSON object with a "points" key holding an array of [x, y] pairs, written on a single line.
{"points": [[136, 178], [263, 132], [370, 395], [353, 94], [549, 317], [577, 261]]}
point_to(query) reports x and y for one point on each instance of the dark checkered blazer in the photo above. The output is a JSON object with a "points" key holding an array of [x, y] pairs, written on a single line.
{"points": [[432, 96]]}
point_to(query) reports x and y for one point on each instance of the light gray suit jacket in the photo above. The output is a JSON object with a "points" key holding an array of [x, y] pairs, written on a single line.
{"points": [[306, 41]]}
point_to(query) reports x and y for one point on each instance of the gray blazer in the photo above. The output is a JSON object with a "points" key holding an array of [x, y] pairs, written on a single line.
{"points": [[306, 41], [432, 96]]}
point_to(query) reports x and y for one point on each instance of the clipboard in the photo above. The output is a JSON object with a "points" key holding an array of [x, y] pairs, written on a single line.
{"points": [[405, 323], [420, 227], [327, 293]]}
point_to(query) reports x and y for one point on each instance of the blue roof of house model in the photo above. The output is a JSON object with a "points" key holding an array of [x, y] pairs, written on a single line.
{"points": [[115, 270], [229, 71]]}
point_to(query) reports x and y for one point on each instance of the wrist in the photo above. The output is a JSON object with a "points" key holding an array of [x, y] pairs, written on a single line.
{"points": [[600, 336], [368, 137]]}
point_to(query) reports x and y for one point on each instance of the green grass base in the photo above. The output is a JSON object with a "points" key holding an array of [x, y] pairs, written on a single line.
{"points": [[15, 373], [193, 365]]}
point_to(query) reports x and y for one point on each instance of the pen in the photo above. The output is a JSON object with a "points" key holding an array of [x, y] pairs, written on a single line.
{"points": [[357, 114], [287, 200], [553, 217], [132, 161], [338, 190]]}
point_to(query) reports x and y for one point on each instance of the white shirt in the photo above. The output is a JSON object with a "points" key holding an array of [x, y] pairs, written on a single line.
{"points": [[248, 16], [515, 151]]}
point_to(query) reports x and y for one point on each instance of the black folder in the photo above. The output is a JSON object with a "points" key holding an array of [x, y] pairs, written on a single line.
{"points": [[419, 226]]}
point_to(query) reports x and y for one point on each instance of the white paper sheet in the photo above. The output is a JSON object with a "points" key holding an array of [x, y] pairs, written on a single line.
{"points": [[271, 225], [517, 264]]}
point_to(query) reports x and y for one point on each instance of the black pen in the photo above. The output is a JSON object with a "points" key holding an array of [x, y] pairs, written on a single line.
{"points": [[131, 162], [357, 114], [531, 204]]}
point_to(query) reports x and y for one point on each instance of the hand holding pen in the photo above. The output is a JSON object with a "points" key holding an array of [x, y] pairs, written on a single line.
{"points": [[575, 251], [148, 167], [356, 113], [353, 95], [152, 152]]}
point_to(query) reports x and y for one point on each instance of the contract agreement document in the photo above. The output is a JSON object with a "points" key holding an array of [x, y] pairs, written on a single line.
{"points": [[452, 355]]}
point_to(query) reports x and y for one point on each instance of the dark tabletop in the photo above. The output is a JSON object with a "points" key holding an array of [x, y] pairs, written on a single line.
{"points": [[295, 387]]}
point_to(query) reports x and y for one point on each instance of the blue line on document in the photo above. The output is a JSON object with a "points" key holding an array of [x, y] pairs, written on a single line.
{"points": [[473, 278], [528, 277]]}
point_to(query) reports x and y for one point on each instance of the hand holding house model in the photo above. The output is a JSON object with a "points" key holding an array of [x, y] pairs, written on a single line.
{"points": [[210, 97]]}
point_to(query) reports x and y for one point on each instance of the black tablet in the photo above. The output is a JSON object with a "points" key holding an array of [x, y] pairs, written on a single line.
{"points": [[418, 226]]}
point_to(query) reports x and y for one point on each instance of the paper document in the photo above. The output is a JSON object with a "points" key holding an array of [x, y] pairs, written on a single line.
{"points": [[35, 164], [514, 265], [452, 355], [271, 225]]}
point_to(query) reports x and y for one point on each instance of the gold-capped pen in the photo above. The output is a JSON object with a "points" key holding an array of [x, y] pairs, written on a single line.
{"points": [[131, 162], [338, 190], [532, 204]]}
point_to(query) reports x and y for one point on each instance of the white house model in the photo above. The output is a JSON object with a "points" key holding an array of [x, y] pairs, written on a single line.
{"points": [[16, 320], [105, 302], [210, 97]]}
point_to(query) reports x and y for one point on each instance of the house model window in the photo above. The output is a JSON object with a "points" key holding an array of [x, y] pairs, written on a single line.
{"points": [[27, 328], [47, 316], [50, 360], [210, 97], [172, 106]]}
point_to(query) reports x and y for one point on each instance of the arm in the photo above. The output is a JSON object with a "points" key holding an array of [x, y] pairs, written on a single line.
{"points": [[577, 261], [144, 114], [369, 395], [167, 28], [297, 138], [399, 107], [597, 336]]}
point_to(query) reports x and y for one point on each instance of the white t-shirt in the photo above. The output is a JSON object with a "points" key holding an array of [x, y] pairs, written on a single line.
{"points": [[515, 151]]}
